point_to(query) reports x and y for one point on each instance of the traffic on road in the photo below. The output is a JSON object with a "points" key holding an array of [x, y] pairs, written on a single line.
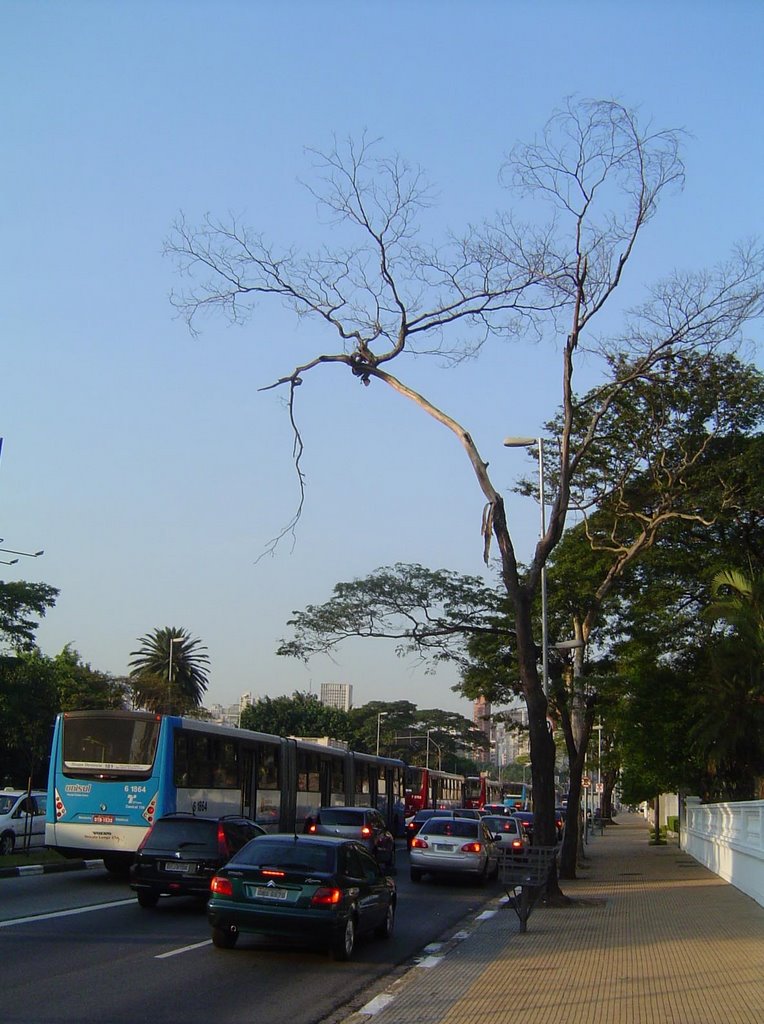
{"points": [[106, 959]]}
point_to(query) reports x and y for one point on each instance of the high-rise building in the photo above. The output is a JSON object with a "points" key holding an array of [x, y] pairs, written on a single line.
{"points": [[481, 715], [337, 695]]}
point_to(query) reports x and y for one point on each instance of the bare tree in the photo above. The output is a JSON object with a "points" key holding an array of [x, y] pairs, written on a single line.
{"points": [[384, 295]]}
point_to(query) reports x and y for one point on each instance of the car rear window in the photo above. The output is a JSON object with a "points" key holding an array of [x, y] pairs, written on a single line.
{"points": [[182, 835], [289, 855], [332, 816], [461, 827], [498, 824]]}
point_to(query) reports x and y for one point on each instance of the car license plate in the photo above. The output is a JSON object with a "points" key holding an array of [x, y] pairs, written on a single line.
{"points": [[179, 869], [266, 892], [443, 847]]}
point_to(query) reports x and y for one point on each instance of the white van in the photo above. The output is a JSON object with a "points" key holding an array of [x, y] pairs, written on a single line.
{"points": [[22, 819]]}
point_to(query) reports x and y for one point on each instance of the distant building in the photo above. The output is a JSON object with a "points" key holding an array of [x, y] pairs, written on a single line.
{"points": [[337, 695], [481, 715], [481, 719], [230, 715]]}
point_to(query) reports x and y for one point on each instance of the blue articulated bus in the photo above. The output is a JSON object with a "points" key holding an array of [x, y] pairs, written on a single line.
{"points": [[112, 773]]}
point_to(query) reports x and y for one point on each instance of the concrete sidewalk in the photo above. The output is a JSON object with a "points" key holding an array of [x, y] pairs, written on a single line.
{"points": [[653, 938]]}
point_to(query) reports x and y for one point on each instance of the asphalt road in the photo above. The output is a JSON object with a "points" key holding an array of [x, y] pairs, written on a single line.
{"points": [[76, 947]]}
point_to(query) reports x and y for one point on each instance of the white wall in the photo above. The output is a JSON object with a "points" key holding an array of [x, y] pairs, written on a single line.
{"points": [[728, 839]]}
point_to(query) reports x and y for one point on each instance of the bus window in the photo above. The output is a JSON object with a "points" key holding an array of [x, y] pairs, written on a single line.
{"points": [[108, 745], [308, 784], [362, 784], [268, 800], [337, 785]]}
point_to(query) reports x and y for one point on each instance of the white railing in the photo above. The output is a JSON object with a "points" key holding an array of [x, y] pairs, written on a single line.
{"points": [[728, 839]]}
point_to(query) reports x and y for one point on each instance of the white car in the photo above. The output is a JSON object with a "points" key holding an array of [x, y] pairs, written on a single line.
{"points": [[454, 846], [22, 819], [509, 833]]}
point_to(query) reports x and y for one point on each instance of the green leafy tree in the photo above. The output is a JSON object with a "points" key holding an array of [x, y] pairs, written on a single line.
{"points": [[728, 729], [21, 605], [28, 707], [302, 714], [169, 671], [82, 688]]}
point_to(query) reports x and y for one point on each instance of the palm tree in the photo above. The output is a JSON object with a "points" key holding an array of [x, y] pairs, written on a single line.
{"points": [[739, 600], [729, 728], [169, 672]]}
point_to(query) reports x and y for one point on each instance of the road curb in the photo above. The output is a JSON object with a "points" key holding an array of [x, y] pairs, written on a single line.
{"points": [[49, 869]]}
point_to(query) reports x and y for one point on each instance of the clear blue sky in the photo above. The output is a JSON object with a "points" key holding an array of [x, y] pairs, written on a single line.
{"points": [[144, 461]]}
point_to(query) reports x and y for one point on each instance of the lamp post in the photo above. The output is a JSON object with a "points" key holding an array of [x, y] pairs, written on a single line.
{"points": [[411, 735], [440, 752], [526, 442], [173, 640], [380, 716], [598, 727]]}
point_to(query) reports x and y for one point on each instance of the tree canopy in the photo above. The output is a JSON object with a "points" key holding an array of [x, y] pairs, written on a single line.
{"points": [[169, 671], [21, 604], [382, 293]]}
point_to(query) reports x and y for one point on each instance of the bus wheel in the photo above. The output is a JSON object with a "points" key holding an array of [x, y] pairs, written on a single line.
{"points": [[117, 864]]}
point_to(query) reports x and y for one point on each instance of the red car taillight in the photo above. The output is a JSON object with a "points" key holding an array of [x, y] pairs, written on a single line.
{"points": [[365, 831], [326, 897], [472, 848], [418, 844], [221, 886], [312, 828], [517, 844], [223, 848]]}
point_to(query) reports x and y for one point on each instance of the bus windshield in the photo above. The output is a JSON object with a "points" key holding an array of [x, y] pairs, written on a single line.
{"points": [[109, 745]]}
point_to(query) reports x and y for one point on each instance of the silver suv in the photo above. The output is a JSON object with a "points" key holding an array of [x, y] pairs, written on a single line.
{"points": [[22, 819]]}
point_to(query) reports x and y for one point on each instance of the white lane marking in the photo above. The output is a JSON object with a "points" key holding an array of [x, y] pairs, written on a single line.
{"points": [[183, 949], [63, 913], [486, 915]]}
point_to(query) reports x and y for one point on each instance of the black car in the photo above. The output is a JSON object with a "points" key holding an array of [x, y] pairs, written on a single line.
{"points": [[181, 853], [495, 809], [364, 824], [526, 817], [306, 889]]}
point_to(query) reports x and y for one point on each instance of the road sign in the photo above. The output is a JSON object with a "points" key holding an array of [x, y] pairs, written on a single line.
{"points": [[586, 782]]}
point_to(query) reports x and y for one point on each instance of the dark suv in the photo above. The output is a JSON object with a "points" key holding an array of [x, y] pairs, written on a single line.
{"points": [[181, 853], [364, 824]]}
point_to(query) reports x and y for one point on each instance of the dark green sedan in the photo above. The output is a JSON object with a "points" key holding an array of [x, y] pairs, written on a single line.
{"points": [[311, 890]]}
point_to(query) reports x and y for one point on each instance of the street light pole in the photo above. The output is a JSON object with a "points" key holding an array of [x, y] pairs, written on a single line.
{"points": [[526, 442], [380, 716], [173, 640]]}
